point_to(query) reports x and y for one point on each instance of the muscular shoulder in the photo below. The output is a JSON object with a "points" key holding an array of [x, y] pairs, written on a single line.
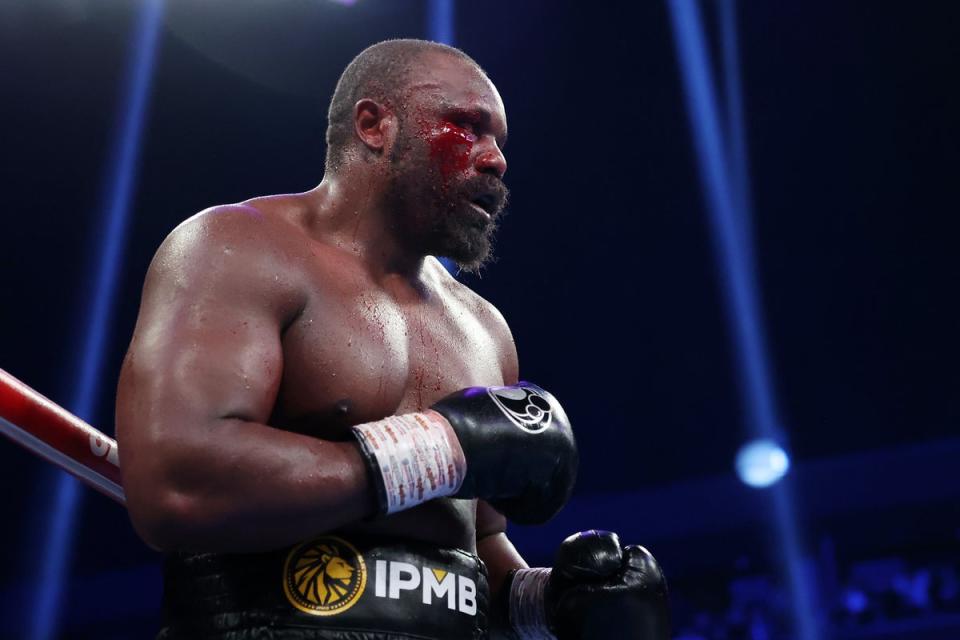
{"points": [[489, 317], [231, 248], [242, 225]]}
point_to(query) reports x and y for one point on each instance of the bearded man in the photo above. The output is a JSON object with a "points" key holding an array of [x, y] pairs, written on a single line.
{"points": [[325, 432]]}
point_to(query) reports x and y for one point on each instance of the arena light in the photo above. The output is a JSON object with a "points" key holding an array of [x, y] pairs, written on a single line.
{"points": [[762, 463], [121, 175], [726, 219], [727, 205], [737, 156], [440, 21], [440, 29]]}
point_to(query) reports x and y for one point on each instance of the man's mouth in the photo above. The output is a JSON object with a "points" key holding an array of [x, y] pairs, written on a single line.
{"points": [[486, 203]]}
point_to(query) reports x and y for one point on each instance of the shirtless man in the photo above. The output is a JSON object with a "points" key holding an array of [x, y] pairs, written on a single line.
{"points": [[274, 409]]}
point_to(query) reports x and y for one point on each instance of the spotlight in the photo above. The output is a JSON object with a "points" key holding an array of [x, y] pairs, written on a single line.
{"points": [[761, 463]]}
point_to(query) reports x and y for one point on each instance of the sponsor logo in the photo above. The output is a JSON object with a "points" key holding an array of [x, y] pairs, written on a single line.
{"points": [[324, 577], [524, 406], [104, 447], [393, 578]]}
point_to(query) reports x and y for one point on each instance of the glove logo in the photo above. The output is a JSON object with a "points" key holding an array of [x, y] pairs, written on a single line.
{"points": [[324, 577], [524, 406]]}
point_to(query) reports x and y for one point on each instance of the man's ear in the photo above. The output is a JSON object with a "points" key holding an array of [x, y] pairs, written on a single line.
{"points": [[374, 124]]}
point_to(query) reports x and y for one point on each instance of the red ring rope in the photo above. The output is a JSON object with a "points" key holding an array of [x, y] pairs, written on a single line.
{"points": [[53, 433]]}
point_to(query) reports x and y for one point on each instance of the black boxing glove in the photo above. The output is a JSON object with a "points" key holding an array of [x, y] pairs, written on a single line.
{"points": [[595, 590], [511, 446]]}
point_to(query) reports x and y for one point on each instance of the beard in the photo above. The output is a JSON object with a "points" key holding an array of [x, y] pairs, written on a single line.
{"points": [[436, 213]]}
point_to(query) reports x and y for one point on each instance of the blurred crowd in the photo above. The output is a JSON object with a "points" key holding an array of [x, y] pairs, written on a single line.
{"points": [[889, 598]]}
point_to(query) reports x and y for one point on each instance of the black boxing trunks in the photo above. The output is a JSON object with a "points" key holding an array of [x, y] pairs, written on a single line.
{"points": [[332, 587]]}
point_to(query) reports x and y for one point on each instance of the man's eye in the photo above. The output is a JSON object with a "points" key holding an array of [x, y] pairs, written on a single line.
{"points": [[466, 126]]}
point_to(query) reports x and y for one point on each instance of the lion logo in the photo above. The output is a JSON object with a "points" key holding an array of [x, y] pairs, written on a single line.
{"points": [[324, 577]]}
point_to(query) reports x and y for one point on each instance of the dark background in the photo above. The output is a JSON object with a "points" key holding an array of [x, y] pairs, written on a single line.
{"points": [[606, 271]]}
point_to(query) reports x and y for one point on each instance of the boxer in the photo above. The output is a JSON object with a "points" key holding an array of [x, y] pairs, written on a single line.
{"points": [[323, 431]]}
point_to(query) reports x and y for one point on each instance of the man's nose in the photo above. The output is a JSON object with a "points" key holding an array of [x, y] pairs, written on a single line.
{"points": [[490, 159]]}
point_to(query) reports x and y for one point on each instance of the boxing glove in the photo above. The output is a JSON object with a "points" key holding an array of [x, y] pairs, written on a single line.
{"points": [[595, 590], [512, 446]]}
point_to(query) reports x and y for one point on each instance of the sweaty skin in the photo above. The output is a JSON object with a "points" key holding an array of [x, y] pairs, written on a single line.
{"points": [[268, 328]]}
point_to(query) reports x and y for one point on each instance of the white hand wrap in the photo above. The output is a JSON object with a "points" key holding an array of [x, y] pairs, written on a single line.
{"points": [[528, 617], [418, 455]]}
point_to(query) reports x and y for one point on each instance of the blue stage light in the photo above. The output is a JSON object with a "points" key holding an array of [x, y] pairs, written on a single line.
{"points": [[737, 145], [440, 21], [121, 176], [440, 29], [761, 463], [722, 162]]}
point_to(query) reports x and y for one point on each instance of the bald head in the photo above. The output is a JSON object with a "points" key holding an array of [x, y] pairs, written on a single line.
{"points": [[381, 72]]}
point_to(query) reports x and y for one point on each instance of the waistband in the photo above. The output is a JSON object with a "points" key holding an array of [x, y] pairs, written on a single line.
{"points": [[337, 587]]}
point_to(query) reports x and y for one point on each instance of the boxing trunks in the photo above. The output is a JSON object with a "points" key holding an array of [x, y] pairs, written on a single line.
{"points": [[331, 587]]}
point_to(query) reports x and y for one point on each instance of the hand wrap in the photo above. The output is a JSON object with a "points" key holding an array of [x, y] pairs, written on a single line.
{"points": [[511, 446]]}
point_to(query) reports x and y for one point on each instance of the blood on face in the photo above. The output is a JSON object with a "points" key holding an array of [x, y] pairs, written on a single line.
{"points": [[450, 147]]}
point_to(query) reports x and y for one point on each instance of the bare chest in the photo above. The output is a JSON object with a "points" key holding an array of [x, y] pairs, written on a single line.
{"points": [[360, 355]]}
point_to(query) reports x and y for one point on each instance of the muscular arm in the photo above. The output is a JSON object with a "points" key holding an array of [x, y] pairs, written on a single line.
{"points": [[201, 468], [494, 548]]}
